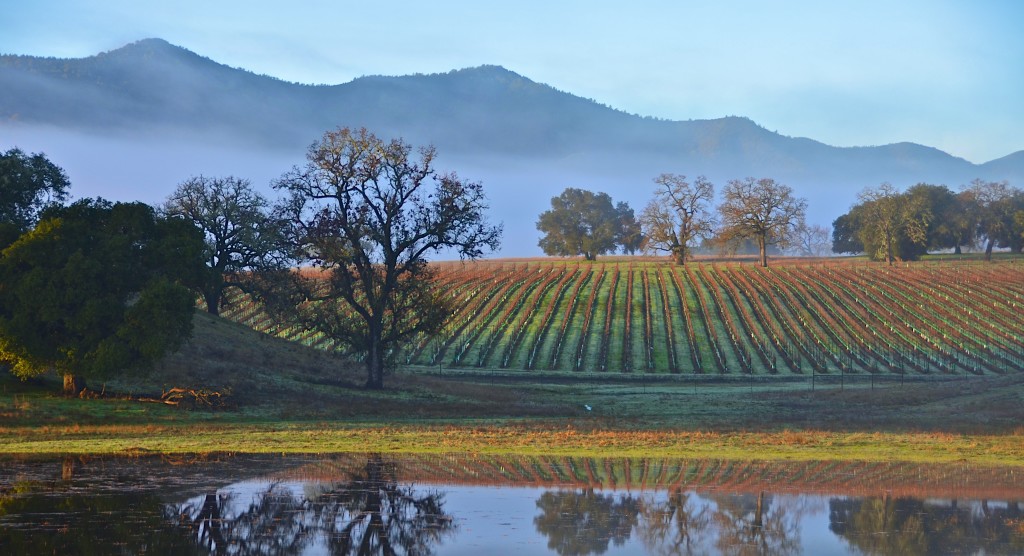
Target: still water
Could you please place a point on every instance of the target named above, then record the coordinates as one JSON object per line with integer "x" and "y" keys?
{"x": 462, "y": 504}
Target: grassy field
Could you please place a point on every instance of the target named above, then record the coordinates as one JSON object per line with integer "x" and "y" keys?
{"x": 280, "y": 396}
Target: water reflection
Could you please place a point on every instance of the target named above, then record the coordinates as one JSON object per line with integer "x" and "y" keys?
{"x": 884, "y": 525}
{"x": 369, "y": 513}
{"x": 577, "y": 523}
{"x": 420, "y": 505}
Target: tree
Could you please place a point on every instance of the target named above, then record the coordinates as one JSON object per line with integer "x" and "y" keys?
{"x": 763, "y": 210}
{"x": 893, "y": 224}
{"x": 994, "y": 202}
{"x": 582, "y": 222}
{"x": 678, "y": 215}
{"x": 946, "y": 228}
{"x": 28, "y": 185}
{"x": 362, "y": 216}
{"x": 845, "y": 238}
{"x": 812, "y": 240}
{"x": 631, "y": 237}
{"x": 241, "y": 237}
{"x": 95, "y": 289}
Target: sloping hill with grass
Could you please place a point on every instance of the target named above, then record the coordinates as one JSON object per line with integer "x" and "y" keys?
{"x": 638, "y": 317}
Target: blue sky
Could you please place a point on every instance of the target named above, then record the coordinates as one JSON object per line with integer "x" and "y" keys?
{"x": 940, "y": 73}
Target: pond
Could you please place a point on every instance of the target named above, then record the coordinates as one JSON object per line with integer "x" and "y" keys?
{"x": 463, "y": 504}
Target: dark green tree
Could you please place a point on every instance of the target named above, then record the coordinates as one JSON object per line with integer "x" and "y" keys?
{"x": 242, "y": 239}
{"x": 363, "y": 215}
{"x": 28, "y": 184}
{"x": 95, "y": 289}
{"x": 582, "y": 222}
{"x": 943, "y": 230}
{"x": 845, "y": 238}
{"x": 631, "y": 236}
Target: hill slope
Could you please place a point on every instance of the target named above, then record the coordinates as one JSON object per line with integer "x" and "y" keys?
{"x": 484, "y": 110}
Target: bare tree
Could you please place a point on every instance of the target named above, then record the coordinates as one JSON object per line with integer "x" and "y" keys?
{"x": 678, "y": 215}
{"x": 761, "y": 210}
{"x": 241, "y": 237}
{"x": 364, "y": 214}
{"x": 812, "y": 240}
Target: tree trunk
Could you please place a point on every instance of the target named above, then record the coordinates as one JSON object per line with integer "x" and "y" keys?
{"x": 956, "y": 250}
{"x": 375, "y": 364}
{"x": 762, "y": 246}
{"x": 680, "y": 256}
{"x": 988, "y": 248}
{"x": 212, "y": 298}
{"x": 73, "y": 385}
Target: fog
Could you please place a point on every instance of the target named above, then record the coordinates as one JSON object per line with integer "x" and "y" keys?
{"x": 148, "y": 167}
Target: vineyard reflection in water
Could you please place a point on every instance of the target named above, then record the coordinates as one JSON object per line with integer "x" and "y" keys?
{"x": 460, "y": 504}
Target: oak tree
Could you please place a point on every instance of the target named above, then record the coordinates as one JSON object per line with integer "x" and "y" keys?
{"x": 894, "y": 224}
{"x": 242, "y": 239}
{"x": 96, "y": 289}
{"x": 582, "y": 222}
{"x": 678, "y": 215}
{"x": 762, "y": 210}
{"x": 362, "y": 217}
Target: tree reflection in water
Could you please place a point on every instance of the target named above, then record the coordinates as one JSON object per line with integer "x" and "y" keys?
{"x": 676, "y": 526}
{"x": 752, "y": 524}
{"x": 368, "y": 514}
{"x": 584, "y": 522}
{"x": 911, "y": 526}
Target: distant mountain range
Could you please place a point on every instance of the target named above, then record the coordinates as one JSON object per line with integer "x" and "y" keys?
{"x": 151, "y": 89}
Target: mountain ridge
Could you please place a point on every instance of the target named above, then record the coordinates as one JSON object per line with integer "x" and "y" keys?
{"x": 504, "y": 127}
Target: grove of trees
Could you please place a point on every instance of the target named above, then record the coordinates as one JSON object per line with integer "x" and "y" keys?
{"x": 890, "y": 225}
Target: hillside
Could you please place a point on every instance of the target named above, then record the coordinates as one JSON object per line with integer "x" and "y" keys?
{"x": 275, "y": 381}
{"x": 634, "y": 317}
{"x": 500, "y": 126}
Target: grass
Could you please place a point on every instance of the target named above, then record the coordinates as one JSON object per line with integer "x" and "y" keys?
{"x": 283, "y": 397}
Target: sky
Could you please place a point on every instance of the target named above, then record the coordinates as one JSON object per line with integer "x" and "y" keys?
{"x": 947, "y": 74}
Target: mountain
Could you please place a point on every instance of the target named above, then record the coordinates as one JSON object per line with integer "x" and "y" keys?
{"x": 492, "y": 120}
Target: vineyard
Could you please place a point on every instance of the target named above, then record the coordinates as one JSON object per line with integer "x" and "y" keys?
{"x": 637, "y": 316}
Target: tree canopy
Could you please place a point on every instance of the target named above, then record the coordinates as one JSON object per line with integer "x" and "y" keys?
{"x": 891, "y": 225}
{"x": 28, "y": 185}
{"x": 678, "y": 215}
{"x": 363, "y": 215}
{"x": 242, "y": 238}
{"x": 762, "y": 210}
{"x": 582, "y": 222}
{"x": 97, "y": 288}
